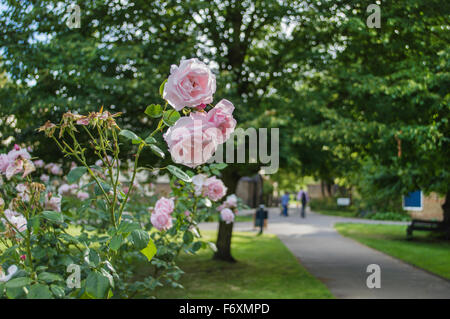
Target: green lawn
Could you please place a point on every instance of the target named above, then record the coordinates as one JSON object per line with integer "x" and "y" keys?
{"x": 425, "y": 251}
{"x": 339, "y": 213}
{"x": 265, "y": 269}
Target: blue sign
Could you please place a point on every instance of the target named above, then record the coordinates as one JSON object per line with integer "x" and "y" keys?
{"x": 413, "y": 201}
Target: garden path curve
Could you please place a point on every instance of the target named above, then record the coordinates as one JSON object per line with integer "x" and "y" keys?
{"x": 341, "y": 263}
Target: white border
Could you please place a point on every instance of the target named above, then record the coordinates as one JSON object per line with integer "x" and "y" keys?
{"x": 412, "y": 207}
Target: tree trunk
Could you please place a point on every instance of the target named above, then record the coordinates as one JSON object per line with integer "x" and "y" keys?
{"x": 224, "y": 242}
{"x": 446, "y": 208}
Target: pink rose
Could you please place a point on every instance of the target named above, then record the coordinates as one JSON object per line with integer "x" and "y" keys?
{"x": 4, "y": 163}
{"x": 187, "y": 213}
{"x": 214, "y": 188}
{"x": 161, "y": 221}
{"x": 82, "y": 195}
{"x": 192, "y": 140}
{"x": 164, "y": 206}
{"x": 198, "y": 181}
{"x": 53, "y": 202}
{"x": 231, "y": 201}
{"x": 39, "y": 163}
{"x": 227, "y": 215}
{"x": 190, "y": 84}
{"x": 44, "y": 178}
{"x": 64, "y": 189}
{"x": 221, "y": 117}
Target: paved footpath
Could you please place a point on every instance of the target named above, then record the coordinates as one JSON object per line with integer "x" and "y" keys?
{"x": 341, "y": 263}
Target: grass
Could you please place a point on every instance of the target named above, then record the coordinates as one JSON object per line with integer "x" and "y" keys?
{"x": 265, "y": 269}
{"x": 425, "y": 251}
{"x": 339, "y": 213}
{"x": 238, "y": 218}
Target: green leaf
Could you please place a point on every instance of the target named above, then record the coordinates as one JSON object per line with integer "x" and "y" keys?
{"x": 188, "y": 237}
{"x": 49, "y": 277}
{"x": 150, "y": 250}
{"x": 18, "y": 282}
{"x": 140, "y": 239}
{"x": 179, "y": 173}
{"x": 161, "y": 87}
{"x": 170, "y": 117}
{"x": 58, "y": 291}
{"x": 150, "y": 140}
{"x": 33, "y": 223}
{"x": 116, "y": 242}
{"x": 154, "y": 110}
{"x": 157, "y": 150}
{"x": 39, "y": 291}
{"x": 131, "y": 136}
{"x": 75, "y": 174}
{"x": 97, "y": 285}
{"x": 196, "y": 246}
{"x": 52, "y": 216}
{"x": 127, "y": 227}
{"x": 218, "y": 166}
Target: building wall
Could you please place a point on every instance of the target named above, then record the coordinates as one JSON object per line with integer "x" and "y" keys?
{"x": 432, "y": 208}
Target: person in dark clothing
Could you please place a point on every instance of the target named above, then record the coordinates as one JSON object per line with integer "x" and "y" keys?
{"x": 304, "y": 198}
{"x": 260, "y": 218}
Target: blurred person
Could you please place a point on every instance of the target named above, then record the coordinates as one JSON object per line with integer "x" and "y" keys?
{"x": 285, "y": 204}
{"x": 303, "y": 197}
{"x": 261, "y": 216}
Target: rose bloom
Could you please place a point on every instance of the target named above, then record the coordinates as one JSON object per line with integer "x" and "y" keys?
{"x": 227, "y": 215}
{"x": 64, "y": 189}
{"x": 198, "y": 181}
{"x": 192, "y": 140}
{"x": 231, "y": 201}
{"x": 190, "y": 84}
{"x": 161, "y": 221}
{"x": 164, "y": 205}
{"x": 221, "y": 117}
{"x": 214, "y": 188}
{"x": 53, "y": 202}
{"x": 16, "y": 219}
{"x": 39, "y": 163}
{"x": 82, "y": 195}
{"x": 44, "y": 178}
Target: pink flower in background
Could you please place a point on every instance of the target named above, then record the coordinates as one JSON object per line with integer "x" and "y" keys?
{"x": 54, "y": 169}
{"x": 64, "y": 189}
{"x": 16, "y": 219}
{"x": 189, "y": 140}
{"x": 4, "y": 163}
{"x": 23, "y": 257}
{"x": 190, "y": 84}
{"x": 198, "y": 181}
{"x": 39, "y": 163}
{"x": 214, "y": 188}
{"x": 161, "y": 221}
{"x": 221, "y": 117}
{"x": 187, "y": 213}
{"x": 44, "y": 178}
{"x": 16, "y": 161}
{"x": 53, "y": 202}
{"x": 227, "y": 215}
{"x": 82, "y": 195}
{"x": 164, "y": 206}
{"x": 231, "y": 201}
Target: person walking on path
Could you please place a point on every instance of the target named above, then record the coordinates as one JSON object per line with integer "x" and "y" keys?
{"x": 285, "y": 204}
{"x": 261, "y": 218}
{"x": 303, "y": 197}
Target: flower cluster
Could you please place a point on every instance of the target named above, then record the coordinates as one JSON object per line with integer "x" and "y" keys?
{"x": 18, "y": 160}
{"x": 161, "y": 217}
{"x": 193, "y": 139}
{"x": 211, "y": 187}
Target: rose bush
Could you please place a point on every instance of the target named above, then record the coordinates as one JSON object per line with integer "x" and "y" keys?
{"x": 78, "y": 229}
